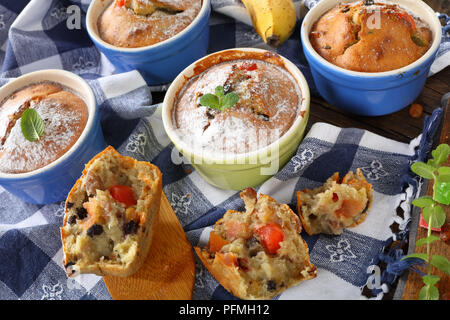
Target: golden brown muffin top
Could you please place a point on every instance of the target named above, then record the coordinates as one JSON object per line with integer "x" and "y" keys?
{"x": 139, "y": 23}
{"x": 269, "y": 102}
{"x": 369, "y": 36}
{"x": 64, "y": 115}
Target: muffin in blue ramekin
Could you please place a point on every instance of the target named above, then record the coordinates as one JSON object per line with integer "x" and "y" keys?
{"x": 161, "y": 62}
{"x": 52, "y": 182}
{"x": 370, "y": 93}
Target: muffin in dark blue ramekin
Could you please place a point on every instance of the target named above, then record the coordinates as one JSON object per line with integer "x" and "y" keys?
{"x": 161, "y": 62}
{"x": 52, "y": 182}
{"x": 367, "y": 93}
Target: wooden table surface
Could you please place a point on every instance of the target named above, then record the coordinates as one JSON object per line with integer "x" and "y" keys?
{"x": 399, "y": 126}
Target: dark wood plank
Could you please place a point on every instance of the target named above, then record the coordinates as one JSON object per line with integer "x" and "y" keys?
{"x": 414, "y": 282}
{"x": 442, "y": 6}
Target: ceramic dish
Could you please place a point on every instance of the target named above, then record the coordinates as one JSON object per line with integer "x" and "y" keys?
{"x": 52, "y": 182}
{"x": 159, "y": 63}
{"x": 241, "y": 170}
{"x": 370, "y": 94}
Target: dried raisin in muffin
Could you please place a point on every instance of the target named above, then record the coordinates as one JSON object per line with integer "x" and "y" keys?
{"x": 258, "y": 253}
{"x": 335, "y": 205}
{"x": 110, "y": 215}
{"x": 369, "y": 36}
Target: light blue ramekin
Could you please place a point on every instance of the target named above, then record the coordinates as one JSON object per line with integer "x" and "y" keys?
{"x": 159, "y": 63}
{"x": 53, "y": 182}
{"x": 364, "y": 93}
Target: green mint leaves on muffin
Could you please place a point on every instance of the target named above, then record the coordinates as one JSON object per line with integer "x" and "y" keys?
{"x": 219, "y": 100}
{"x": 32, "y": 125}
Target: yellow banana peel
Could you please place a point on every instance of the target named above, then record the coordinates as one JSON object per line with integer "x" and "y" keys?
{"x": 273, "y": 20}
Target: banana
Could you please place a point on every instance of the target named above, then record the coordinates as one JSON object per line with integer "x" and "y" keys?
{"x": 273, "y": 20}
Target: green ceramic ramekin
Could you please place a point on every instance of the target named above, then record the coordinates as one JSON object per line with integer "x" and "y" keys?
{"x": 240, "y": 171}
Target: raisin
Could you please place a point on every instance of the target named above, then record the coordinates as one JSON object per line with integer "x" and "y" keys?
{"x": 130, "y": 227}
{"x": 72, "y": 219}
{"x": 335, "y": 197}
{"x": 243, "y": 264}
{"x": 263, "y": 117}
{"x": 345, "y": 9}
{"x": 69, "y": 205}
{"x": 69, "y": 264}
{"x": 368, "y": 2}
{"x": 366, "y": 207}
{"x": 210, "y": 114}
{"x": 95, "y": 230}
{"x": 82, "y": 213}
{"x": 271, "y": 285}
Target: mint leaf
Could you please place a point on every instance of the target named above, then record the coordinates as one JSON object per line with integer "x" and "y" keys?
{"x": 423, "y": 202}
{"x": 430, "y": 280}
{"x": 229, "y": 100}
{"x": 32, "y": 125}
{"x": 445, "y": 178}
{"x": 424, "y": 170}
{"x": 441, "y": 263}
{"x": 444, "y": 170}
{"x": 422, "y": 256}
{"x": 438, "y": 216}
{"x": 220, "y": 92}
{"x": 441, "y": 153}
{"x": 429, "y": 239}
{"x": 210, "y": 100}
{"x": 429, "y": 293}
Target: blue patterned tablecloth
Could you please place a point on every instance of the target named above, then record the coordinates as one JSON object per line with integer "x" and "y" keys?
{"x": 37, "y": 37}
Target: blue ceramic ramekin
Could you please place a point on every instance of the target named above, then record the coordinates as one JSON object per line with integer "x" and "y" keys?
{"x": 53, "y": 182}
{"x": 364, "y": 93}
{"x": 159, "y": 63}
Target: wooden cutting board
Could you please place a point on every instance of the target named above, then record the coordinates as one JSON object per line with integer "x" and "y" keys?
{"x": 168, "y": 273}
{"x": 414, "y": 282}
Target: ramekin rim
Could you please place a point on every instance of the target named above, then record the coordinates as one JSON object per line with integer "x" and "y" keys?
{"x": 94, "y": 35}
{"x": 90, "y": 101}
{"x": 373, "y": 75}
{"x": 184, "y": 148}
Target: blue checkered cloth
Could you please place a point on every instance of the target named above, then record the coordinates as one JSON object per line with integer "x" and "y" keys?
{"x": 30, "y": 248}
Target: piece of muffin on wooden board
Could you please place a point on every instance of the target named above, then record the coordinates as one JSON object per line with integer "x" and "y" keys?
{"x": 335, "y": 205}
{"x": 110, "y": 215}
{"x": 259, "y": 253}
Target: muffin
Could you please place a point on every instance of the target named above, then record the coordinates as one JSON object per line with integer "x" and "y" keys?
{"x": 369, "y": 36}
{"x": 139, "y": 23}
{"x": 259, "y": 253}
{"x": 111, "y": 215}
{"x": 64, "y": 115}
{"x": 335, "y": 205}
{"x": 268, "y": 101}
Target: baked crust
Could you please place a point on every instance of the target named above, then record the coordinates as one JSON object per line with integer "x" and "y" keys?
{"x": 124, "y": 25}
{"x": 336, "y": 205}
{"x": 350, "y": 37}
{"x": 244, "y": 264}
{"x": 148, "y": 186}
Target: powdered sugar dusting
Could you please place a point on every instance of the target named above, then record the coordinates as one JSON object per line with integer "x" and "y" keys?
{"x": 269, "y": 102}
{"x": 62, "y": 129}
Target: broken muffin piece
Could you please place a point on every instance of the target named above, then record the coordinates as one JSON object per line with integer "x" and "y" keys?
{"x": 259, "y": 253}
{"x": 110, "y": 215}
{"x": 335, "y": 205}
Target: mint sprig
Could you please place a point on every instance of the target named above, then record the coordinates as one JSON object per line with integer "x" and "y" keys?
{"x": 219, "y": 100}
{"x": 32, "y": 125}
{"x": 434, "y": 214}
